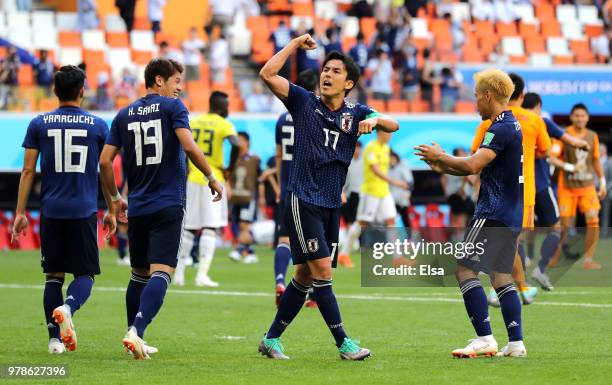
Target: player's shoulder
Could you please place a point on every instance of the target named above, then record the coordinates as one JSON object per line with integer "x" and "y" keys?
{"x": 506, "y": 123}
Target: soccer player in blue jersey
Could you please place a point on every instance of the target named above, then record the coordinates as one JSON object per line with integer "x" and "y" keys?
{"x": 546, "y": 207}
{"x": 326, "y": 130}
{"x": 69, "y": 141}
{"x": 155, "y": 135}
{"x": 285, "y": 137}
{"x": 497, "y": 220}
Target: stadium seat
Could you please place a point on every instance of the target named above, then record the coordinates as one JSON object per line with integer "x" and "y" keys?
{"x": 350, "y": 26}
{"x": 524, "y": 12}
{"x": 566, "y": 13}
{"x": 419, "y": 28}
{"x": 16, "y": 20}
{"x": 66, "y": 21}
{"x": 240, "y": 41}
{"x": 460, "y": 12}
{"x": 21, "y": 37}
{"x": 274, "y": 21}
{"x": 93, "y": 57}
{"x": 303, "y": 8}
{"x": 557, "y": 46}
{"x": 118, "y": 59}
{"x": 25, "y": 76}
{"x": 535, "y": 44}
{"x": 398, "y": 106}
{"x": 472, "y": 54}
{"x": 506, "y": 29}
{"x": 528, "y": 30}
{"x": 348, "y": 42}
{"x": 550, "y": 28}
{"x": 378, "y": 105}
{"x": 117, "y": 40}
{"x": 325, "y": 9}
{"x": 143, "y": 40}
{"x": 540, "y": 60}
{"x": 572, "y": 31}
{"x": 593, "y": 30}
{"x": 3, "y": 27}
{"x": 465, "y": 107}
{"x": 484, "y": 29}
{"x": 421, "y": 43}
{"x": 368, "y": 26}
{"x": 141, "y": 57}
{"x": 563, "y": 59}
{"x": 93, "y": 39}
{"x": 114, "y": 23}
{"x": 545, "y": 12}
{"x": 587, "y": 14}
{"x": 69, "y": 38}
{"x": 43, "y": 20}
{"x": 512, "y": 46}
{"x": 295, "y": 22}
{"x": 46, "y": 39}
{"x": 440, "y": 27}
{"x": 518, "y": 59}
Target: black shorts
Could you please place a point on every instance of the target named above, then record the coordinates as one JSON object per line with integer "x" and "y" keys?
{"x": 459, "y": 205}
{"x": 281, "y": 227}
{"x": 244, "y": 213}
{"x": 70, "y": 245}
{"x": 156, "y": 237}
{"x": 546, "y": 208}
{"x": 313, "y": 230}
{"x": 494, "y": 246}
{"x": 349, "y": 209}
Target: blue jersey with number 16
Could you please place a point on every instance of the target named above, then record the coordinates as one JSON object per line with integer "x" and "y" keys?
{"x": 153, "y": 158}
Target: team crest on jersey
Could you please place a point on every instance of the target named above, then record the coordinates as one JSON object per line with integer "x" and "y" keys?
{"x": 346, "y": 122}
{"x": 313, "y": 245}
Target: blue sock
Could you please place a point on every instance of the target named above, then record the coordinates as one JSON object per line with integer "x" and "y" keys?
{"x": 282, "y": 258}
{"x": 548, "y": 249}
{"x": 122, "y": 239}
{"x": 78, "y": 292}
{"x": 511, "y": 310}
{"x": 132, "y": 296}
{"x": 151, "y": 300}
{"x": 328, "y": 306}
{"x": 475, "y": 301}
{"x": 290, "y": 305}
{"x": 52, "y": 298}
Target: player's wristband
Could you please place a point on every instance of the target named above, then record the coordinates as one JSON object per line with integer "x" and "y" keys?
{"x": 211, "y": 177}
{"x": 116, "y": 197}
{"x": 569, "y": 167}
{"x": 602, "y": 181}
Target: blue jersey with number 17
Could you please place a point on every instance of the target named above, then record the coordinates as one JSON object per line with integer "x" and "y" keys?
{"x": 153, "y": 158}
{"x": 69, "y": 140}
{"x": 324, "y": 143}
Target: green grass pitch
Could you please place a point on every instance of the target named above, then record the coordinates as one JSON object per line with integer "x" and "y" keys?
{"x": 210, "y": 336}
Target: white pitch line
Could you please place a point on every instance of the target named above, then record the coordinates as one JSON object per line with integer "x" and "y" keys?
{"x": 342, "y": 296}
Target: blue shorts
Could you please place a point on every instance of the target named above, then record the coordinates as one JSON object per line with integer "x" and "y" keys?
{"x": 69, "y": 245}
{"x": 313, "y": 230}
{"x": 279, "y": 217}
{"x": 546, "y": 208}
{"x": 156, "y": 237}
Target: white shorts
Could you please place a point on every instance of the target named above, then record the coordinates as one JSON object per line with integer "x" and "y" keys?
{"x": 373, "y": 209}
{"x": 201, "y": 211}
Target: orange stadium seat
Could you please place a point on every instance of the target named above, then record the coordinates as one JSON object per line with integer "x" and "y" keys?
{"x": 117, "y": 39}
{"x": 420, "y": 43}
{"x": 398, "y": 106}
{"x": 528, "y": 30}
{"x": 544, "y": 12}
{"x": 471, "y": 54}
{"x": 563, "y": 60}
{"x": 585, "y": 58}
{"x": 279, "y": 6}
{"x": 368, "y": 26}
{"x": 439, "y": 27}
{"x": 465, "y": 107}
{"x": 484, "y": 28}
{"x": 593, "y": 30}
{"x": 25, "y": 75}
{"x": 69, "y": 38}
{"x": 378, "y": 105}
{"x": 141, "y": 57}
{"x": 506, "y": 29}
{"x": 348, "y": 42}
{"x": 535, "y": 44}
{"x": 274, "y": 21}
{"x": 92, "y": 57}
{"x": 550, "y": 28}
{"x": 142, "y": 23}
{"x": 262, "y": 51}
{"x": 419, "y": 106}
{"x": 580, "y": 47}
{"x": 303, "y": 8}
{"x": 518, "y": 59}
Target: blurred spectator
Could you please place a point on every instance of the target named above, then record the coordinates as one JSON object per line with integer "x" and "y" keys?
{"x": 606, "y": 11}
{"x": 410, "y": 73}
{"x": 359, "y": 53}
{"x": 504, "y": 11}
{"x": 498, "y": 57}
{"x": 400, "y": 30}
{"x": 9, "y": 69}
{"x": 156, "y": 13}
{"x": 166, "y": 51}
{"x": 449, "y": 90}
{"x": 360, "y": 9}
{"x": 102, "y": 100}
{"x": 426, "y": 79}
{"x": 127, "y": 86}
{"x": 258, "y": 101}
{"x": 126, "y": 11}
{"x": 606, "y": 204}
{"x": 24, "y": 5}
{"x": 222, "y": 12}
{"x": 379, "y": 44}
{"x": 281, "y": 37}
{"x": 482, "y": 10}
{"x": 456, "y": 32}
{"x": 87, "y": 15}
{"x": 382, "y": 74}
{"x": 601, "y": 45}
{"x": 399, "y": 170}
{"x": 43, "y": 74}
{"x": 219, "y": 59}
{"x": 413, "y": 6}
{"x": 332, "y": 41}
{"x": 307, "y": 60}
{"x": 192, "y": 52}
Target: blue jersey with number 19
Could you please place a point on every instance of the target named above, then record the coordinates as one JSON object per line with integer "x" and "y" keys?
{"x": 153, "y": 158}
{"x": 324, "y": 143}
{"x": 69, "y": 140}
{"x": 285, "y": 136}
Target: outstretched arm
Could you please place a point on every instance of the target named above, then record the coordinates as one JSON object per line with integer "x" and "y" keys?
{"x": 269, "y": 72}
{"x": 436, "y": 157}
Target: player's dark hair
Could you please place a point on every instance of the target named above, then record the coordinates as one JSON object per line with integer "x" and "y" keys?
{"x": 161, "y": 67}
{"x": 218, "y": 102}
{"x": 245, "y": 135}
{"x": 519, "y": 86}
{"x": 531, "y": 100}
{"x": 579, "y": 106}
{"x": 395, "y": 155}
{"x": 352, "y": 69}
{"x": 360, "y": 36}
{"x": 308, "y": 80}
{"x": 68, "y": 81}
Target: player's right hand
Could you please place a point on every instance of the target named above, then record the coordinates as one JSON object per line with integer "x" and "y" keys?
{"x": 121, "y": 210}
{"x": 20, "y": 226}
{"x": 109, "y": 224}
{"x": 216, "y": 189}
{"x": 306, "y": 42}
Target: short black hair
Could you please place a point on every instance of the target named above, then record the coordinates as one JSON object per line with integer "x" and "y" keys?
{"x": 352, "y": 69}
{"x": 218, "y": 102}
{"x": 531, "y": 100}
{"x": 579, "y": 106}
{"x": 68, "y": 82}
{"x": 163, "y": 67}
{"x": 360, "y": 36}
{"x": 519, "y": 86}
{"x": 245, "y": 135}
{"x": 394, "y": 154}
{"x": 308, "y": 80}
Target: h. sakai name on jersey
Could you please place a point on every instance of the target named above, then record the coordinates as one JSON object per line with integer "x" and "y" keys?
{"x": 144, "y": 110}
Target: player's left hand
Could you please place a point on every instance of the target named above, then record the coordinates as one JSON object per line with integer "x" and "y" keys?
{"x": 109, "y": 224}
{"x": 366, "y": 126}
{"x": 121, "y": 210}
{"x": 429, "y": 154}
{"x": 602, "y": 192}
{"x": 343, "y": 198}
{"x": 216, "y": 189}
{"x": 20, "y": 227}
